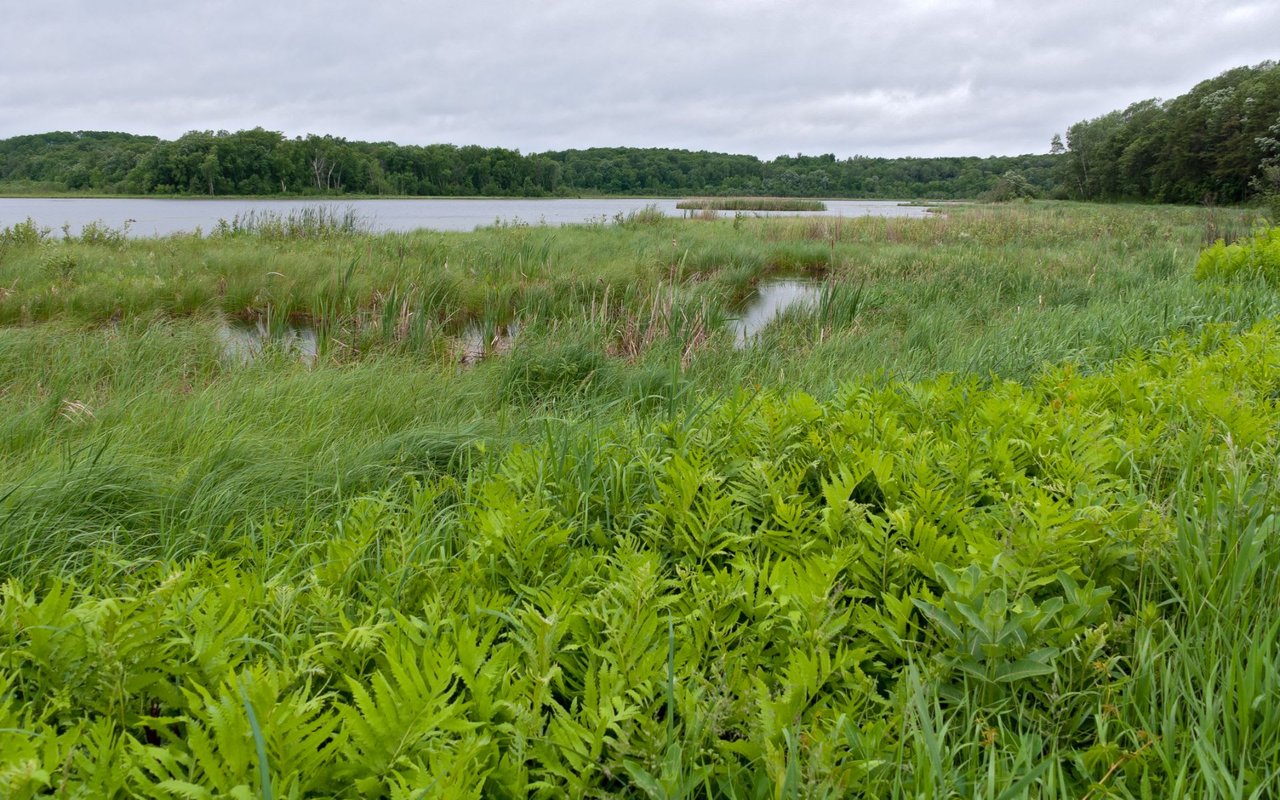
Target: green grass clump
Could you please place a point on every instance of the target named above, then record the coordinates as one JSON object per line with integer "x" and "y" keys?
{"x": 539, "y": 372}
{"x": 306, "y": 222}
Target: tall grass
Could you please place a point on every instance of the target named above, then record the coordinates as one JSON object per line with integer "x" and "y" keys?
{"x": 305, "y": 222}
{"x": 1063, "y": 589}
{"x": 994, "y": 517}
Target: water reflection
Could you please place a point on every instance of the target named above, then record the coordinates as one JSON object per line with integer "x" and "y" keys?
{"x": 771, "y": 298}
{"x": 480, "y": 341}
{"x": 243, "y": 342}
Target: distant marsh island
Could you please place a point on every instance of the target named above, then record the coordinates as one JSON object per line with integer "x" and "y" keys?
{"x": 751, "y": 204}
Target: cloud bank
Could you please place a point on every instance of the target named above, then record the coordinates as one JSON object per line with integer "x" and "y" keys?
{"x": 920, "y": 78}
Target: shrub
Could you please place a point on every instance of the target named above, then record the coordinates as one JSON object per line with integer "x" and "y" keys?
{"x": 23, "y": 233}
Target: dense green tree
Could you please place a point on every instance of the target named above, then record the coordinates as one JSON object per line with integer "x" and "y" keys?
{"x": 1210, "y": 144}
{"x": 261, "y": 162}
{"x": 84, "y": 160}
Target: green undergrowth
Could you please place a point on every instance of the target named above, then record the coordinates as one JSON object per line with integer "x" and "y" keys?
{"x": 993, "y": 516}
{"x": 944, "y": 588}
{"x": 1258, "y": 255}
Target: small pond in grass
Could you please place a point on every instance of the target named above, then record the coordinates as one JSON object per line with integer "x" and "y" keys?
{"x": 479, "y": 341}
{"x": 242, "y": 342}
{"x": 771, "y": 298}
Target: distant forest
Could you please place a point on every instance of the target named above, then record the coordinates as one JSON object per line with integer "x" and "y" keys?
{"x": 1219, "y": 142}
{"x": 261, "y": 162}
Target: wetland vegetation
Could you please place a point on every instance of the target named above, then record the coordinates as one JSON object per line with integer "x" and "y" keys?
{"x": 989, "y": 512}
{"x": 752, "y": 204}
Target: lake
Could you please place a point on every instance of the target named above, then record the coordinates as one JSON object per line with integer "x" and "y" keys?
{"x": 161, "y": 217}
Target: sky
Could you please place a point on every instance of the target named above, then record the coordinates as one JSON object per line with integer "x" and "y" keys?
{"x": 910, "y": 78}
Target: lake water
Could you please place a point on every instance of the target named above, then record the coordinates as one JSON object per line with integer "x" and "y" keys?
{"x": 161, "y": 217}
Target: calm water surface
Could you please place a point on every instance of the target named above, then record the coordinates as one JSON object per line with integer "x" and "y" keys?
{"x": 161, "y": 217}
{"x": 242, "y": 342}
{"x": 771, "y": 298}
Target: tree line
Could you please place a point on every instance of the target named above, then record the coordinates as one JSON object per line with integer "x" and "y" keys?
{"x": 262, "y": 162}
{"x": 1219, "y": 142}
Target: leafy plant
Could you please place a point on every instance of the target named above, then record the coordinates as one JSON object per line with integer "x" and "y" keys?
{"x": 1259, "y": 256}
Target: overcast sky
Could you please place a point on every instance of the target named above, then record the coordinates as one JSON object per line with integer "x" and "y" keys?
{"x": 921, "y": 77}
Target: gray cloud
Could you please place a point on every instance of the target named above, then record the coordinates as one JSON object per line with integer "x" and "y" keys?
{"x": 921, "y": 77}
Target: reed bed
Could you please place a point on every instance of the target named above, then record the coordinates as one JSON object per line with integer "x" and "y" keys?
{"x": 751, "y": 204}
